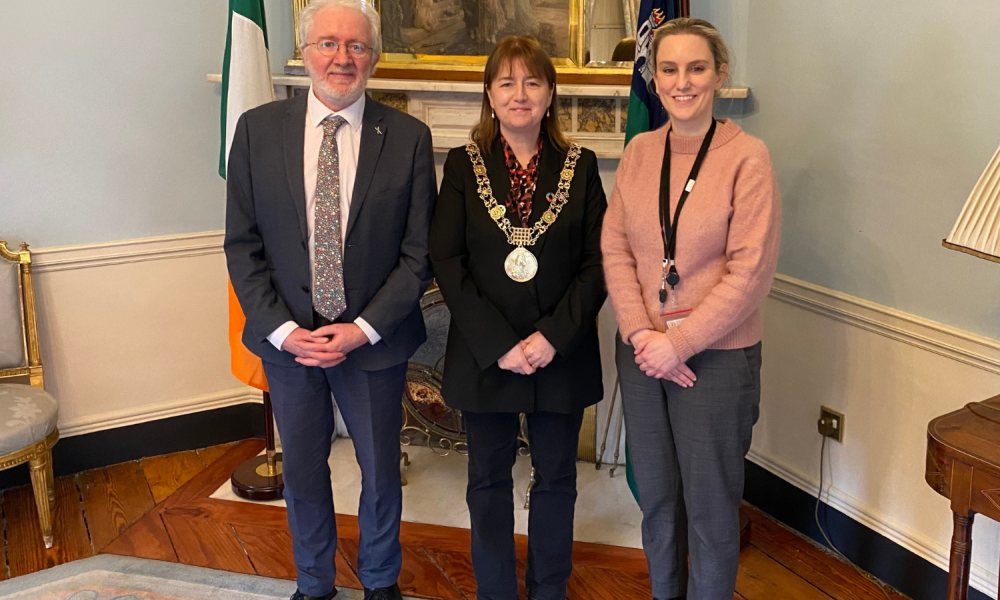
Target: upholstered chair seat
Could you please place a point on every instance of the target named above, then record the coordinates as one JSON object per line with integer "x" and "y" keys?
{"x": 27, "y": 416}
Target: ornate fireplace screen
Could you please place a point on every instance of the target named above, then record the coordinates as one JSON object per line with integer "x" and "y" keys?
{"x": 427, "y": 420}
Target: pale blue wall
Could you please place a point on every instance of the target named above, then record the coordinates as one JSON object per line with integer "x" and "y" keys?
{"x": 730, "y": 18}
{"x": 108, "y": 128}
{"x": 880, "y": 117}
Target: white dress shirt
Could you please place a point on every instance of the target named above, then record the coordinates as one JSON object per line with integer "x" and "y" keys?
{"x": 348, "y": 144}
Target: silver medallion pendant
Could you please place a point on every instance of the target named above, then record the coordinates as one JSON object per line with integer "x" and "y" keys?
{"x": 521, "y": 265}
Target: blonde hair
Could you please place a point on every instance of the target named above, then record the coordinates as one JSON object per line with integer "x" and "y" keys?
{"x": 525, "y": 50}
{"x": 699, "y": 27}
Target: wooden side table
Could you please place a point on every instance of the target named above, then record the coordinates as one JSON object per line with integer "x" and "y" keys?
{"x": 963, "y": 465}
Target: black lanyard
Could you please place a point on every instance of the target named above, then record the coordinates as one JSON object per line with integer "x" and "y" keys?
{"x": 668, "y": 228}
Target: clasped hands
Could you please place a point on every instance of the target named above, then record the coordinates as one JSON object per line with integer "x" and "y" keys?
{"x": 530, "y": 354}
{"x": 327, "y": 346}
{"x": 657, "y": 357}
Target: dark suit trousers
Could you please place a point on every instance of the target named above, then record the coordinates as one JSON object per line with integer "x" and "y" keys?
{"x": 686, "y": 449}
{"x": 492, "y": 439}
{"x": 370, "y": 404}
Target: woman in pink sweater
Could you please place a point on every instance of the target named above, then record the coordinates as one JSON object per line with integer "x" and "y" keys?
{"x": 688, "y": 258}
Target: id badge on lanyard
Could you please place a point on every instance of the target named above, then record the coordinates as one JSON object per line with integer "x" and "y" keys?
{"x": 673, "y": 310}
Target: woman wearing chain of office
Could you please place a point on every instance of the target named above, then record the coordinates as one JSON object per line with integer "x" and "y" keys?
{"x": 515, "y": 246}
{"x": 690, "y": 245}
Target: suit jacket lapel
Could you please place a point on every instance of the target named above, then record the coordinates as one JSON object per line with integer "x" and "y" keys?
{"x": 294, "y": 140}
{"x": 550, "y": 165}
{"x": 496, "y": 170}
{"x": 373, "y": 132}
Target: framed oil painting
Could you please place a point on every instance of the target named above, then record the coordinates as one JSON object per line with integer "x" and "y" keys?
{"x": 466, "y": 31}
{"x": 451, "y": 39}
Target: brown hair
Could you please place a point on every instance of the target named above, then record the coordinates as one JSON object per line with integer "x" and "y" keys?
{"x": 624, "y": 51}
{"x": 699, "y": 27}
{"x": 525, "y": 50}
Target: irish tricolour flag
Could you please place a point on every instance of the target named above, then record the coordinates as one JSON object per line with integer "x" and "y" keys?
{"x": 246, "y": 71}
{"x": 246, "y": 84}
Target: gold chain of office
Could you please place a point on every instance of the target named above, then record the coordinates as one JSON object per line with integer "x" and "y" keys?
{"x": 523, "y": 236}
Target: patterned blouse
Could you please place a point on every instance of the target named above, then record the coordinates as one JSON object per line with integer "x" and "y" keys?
{"x": 522, "y": 182}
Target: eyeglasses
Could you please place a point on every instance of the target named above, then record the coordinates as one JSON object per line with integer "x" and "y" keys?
{"x": 330, "y": 47}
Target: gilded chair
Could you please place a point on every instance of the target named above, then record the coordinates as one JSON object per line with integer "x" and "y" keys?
{"x": 28, "y": 414}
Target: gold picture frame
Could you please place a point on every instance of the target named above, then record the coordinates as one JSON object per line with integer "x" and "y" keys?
{"x": 574, "y": 30}
{"x": 571, "y": 68}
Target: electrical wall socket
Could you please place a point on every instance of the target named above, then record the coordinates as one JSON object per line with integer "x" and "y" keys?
{"x": 831, "y": 424}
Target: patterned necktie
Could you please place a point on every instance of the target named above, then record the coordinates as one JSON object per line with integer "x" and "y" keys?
{"x": 328, "y": 270}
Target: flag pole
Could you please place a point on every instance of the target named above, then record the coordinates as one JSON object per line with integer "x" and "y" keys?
{"x": 246, "y": 66}
{"x": 259, "y": 478}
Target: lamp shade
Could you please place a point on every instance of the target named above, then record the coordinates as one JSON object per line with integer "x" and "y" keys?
{"x": 977, "y": 230}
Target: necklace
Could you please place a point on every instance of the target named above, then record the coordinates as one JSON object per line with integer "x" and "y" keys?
{"x": 521, "y": 265}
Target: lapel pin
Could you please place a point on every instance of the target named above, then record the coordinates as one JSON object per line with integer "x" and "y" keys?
{"x": 378, "y": 130}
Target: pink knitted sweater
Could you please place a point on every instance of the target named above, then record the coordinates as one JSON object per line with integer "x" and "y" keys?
{"x": 727, "y": 242}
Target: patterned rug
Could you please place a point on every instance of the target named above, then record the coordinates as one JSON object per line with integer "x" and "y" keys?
{"x": 108, "y": 577}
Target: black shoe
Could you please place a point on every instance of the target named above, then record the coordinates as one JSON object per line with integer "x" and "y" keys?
{"x": 300, "y": 596}
{"x": 387, "y": 593}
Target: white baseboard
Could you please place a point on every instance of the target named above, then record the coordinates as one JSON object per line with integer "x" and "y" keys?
{"x": 912, "y": 541}
{"x": 144, "y": 414}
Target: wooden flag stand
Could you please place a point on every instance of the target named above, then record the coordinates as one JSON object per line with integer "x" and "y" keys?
{"x": 260, "y": 477}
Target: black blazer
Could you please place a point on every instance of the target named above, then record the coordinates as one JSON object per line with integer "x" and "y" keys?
{"x": 491, "y": 313}
{"x": 386, "y": 265}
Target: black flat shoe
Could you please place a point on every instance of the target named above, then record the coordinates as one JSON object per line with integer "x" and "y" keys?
{"x": 300, "y": 596}
{"x": 386, "y": 593}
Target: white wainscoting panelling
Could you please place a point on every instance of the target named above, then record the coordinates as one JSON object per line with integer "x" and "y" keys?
{"x": 974, "y": 350}
{"x": 890, "y": 373}
{"x": 119, "y": 252}
{"x": 135, "y": 330}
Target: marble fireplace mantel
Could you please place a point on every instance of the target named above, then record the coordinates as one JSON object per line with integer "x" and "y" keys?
{"x": 594, "y": 115}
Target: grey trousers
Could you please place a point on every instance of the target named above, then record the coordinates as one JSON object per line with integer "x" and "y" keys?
{"x": 686, "y": 450}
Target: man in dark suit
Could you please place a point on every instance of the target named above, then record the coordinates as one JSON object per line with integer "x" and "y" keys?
{"x": 330, "y": 196}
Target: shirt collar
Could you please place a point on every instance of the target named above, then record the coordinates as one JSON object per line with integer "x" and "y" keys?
{"x": 317, "y": 111}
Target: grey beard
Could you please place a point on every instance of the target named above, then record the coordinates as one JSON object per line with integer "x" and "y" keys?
{"x": 349, "y": 97}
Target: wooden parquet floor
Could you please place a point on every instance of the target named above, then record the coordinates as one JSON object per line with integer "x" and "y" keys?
{"x": 160, "y": 508}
